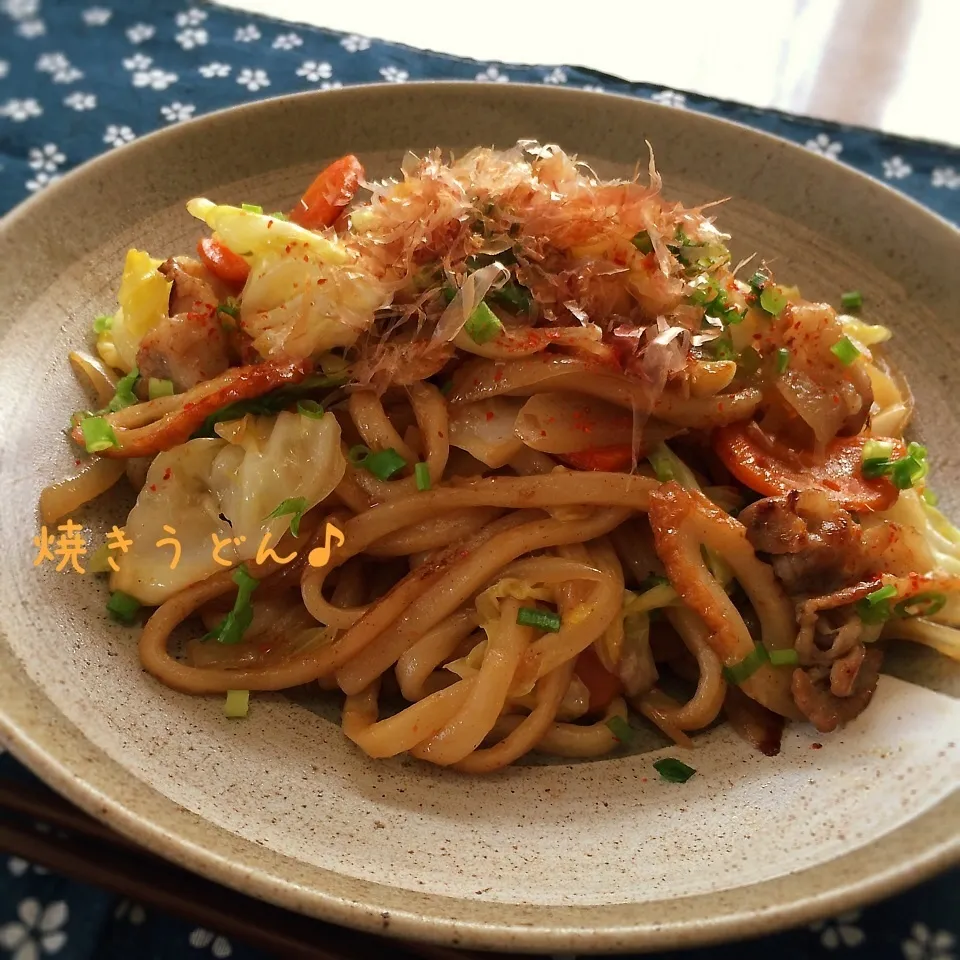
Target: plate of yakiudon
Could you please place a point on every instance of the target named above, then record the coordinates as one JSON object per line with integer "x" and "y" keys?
{"x": 511, "y": 518}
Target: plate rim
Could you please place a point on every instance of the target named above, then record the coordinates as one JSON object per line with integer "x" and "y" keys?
{"x": 47, "y": 760}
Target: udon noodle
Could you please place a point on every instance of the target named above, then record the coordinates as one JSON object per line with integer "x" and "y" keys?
{"x": 509, "y": 456}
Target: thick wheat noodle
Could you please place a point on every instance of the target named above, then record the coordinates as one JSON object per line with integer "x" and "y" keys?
{"x": 548, "y": 570}
{"x": 156, "y": 634}
{"x": 572, "y": 739}
{"x": 487, "y": 378}
{"x": 939, "y": 636}
{"x": 658, "y": 708}
{"x": 416, "y": 665}
{"x": 142, "y": 414}
{"x": 94, "y": 375}
{"x": 685, "y": 521}
{"x": 448, "y": 528}
{"x": 579, "y": 630}
{"x": 430, "y": 409}
{"x": 404, "y": 730}
{"x": 394, "y": 601}
{"x": 350, "y": 589}
{"x": 62, "y": 498}
{"x": 704, "y": 706}
{"x": 374, "y": 426}
{"x": 273, "y": 578}
{"x": 576, "y": 592}
{"x": 368, "y": 622}
{"x": 351, "y": 494}
{"x": 557, "y": 489}
{"x": 528, "y": 462}
{"x": 440, "y": 599}
{"x": 530, "y": 730}
{"x": 466, "y": 730}
{"x": 609, "y": 645}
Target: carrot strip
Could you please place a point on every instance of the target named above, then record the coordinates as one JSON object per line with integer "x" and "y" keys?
{"x": 222, "y": 262}
{"x": 766, "y": 466}
{"x": 334, "y": 187}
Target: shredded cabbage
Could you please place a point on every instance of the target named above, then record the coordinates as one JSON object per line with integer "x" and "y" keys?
{"x": 226, "y": 488}
{"x": 468, "y": 666}
{"x": 251, "y": 235}
{"x": 662, "y": 595}
{"x": 488, "y": 602}
{"x": 144, "y": 299}
{"x": 306, "y": 294}
{"x": 868, "y": 334}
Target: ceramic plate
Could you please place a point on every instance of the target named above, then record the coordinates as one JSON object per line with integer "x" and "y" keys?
{"x": 572, "y": 857}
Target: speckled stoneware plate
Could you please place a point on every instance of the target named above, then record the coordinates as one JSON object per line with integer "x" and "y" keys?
{"x": 595, "y": 856}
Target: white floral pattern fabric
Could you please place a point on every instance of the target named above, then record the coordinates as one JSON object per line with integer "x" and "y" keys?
{"x": 82, "y": 77}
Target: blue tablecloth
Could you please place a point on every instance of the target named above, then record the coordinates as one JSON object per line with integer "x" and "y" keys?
{"x": 78, "y": 79}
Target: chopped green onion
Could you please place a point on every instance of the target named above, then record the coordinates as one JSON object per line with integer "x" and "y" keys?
{"x": 783, "y": 359}
{"x": 270, "y": 403}
{"x": 358, "y": 455}
{"x": 483, "y": 324}
{"x": 422, "y": 473}
{"x": 449, "y": 291}
{"x": 876, "y": 460}
{"x": 851, "y": 300}
{"x": 515, "y": 296}
{"x": 446, "y": 387}
{"x": 124, "y": 395}
{"x": 662, "y": 465}
{"x": 705, "y": 291}
{"x": 78, "y": 416}
{"x": 102, "y": 323}
{"x": 877, "y": 450}
{"x": 292, "y": 505}
{"x": 230, "y": 307}
{"x": 875, "y": 607}
{"x": 235, "y": 623}
{"x": 908, "y": 470}
{"x": 384, "y": 463}
{"x": 98, "y": 435}
{"x": 921, "y": 605}
{"x": 873, "y": 469}
{"x": 772, "y": 300}
{"x": 673, "y": 770}
{"x": 277, "y": 215}
{"x": 905, "y": 472}
{"x": 159, "y": 388}
{"x": 845, "y": 351}
{"x": 748, "y": 666}
{"x": 251, "y": 207}
{"x": 237, "y": 703}
{"x": 714, "y": 301}
{"x": 546, "y": 620}
{"x": 643, "y": 242}
{"x": 722, "y": 349}
{"x": 784, "y": 658}
{"x": 878, "y": 596}
{"x": 122, "y": 607}
{"x": 310, "y": 408}
{"x": 757, "y": 282}
{"x": 621, "y": 730}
